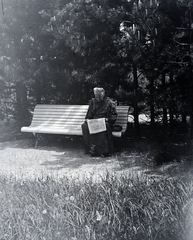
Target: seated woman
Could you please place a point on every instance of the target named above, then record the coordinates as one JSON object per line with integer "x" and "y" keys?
{"x": 100, "y": 144}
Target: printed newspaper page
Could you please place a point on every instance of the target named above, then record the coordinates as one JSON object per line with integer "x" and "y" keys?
{"x": 96, "y": 125}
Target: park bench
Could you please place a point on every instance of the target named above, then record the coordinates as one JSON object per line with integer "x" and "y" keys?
{"x": 67, "y": 120}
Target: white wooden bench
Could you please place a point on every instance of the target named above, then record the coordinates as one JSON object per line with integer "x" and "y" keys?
{"x": 67, "y": 120}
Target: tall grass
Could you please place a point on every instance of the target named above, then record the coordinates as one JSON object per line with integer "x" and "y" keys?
{"x": 115, "y": 208}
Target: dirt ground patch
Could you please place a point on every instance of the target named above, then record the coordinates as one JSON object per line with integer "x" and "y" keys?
{"x": 21, "y": 160}
{"x": 57, "y": 159}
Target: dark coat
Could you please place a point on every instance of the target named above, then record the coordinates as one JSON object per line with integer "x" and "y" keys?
{"x": 104, "y": 109}
{"x": 100, "y": 143}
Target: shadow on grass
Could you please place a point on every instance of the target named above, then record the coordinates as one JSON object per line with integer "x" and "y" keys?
{"x": 135, "y": 157}
{"x": 72, "y": 156}
{"x": 143, "y": 155}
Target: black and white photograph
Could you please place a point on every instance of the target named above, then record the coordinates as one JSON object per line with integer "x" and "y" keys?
{"x": 96, "y": 119}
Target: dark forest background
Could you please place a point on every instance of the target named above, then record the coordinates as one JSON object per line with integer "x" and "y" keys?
{"x": 140, "y": 51}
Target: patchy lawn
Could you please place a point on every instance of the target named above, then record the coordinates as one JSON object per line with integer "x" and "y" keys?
{"x": 57, "y": 192}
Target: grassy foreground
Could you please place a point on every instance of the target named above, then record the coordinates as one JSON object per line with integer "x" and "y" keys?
{"x": 115, "y": 208}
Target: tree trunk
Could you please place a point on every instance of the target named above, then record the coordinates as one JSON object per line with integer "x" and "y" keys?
{"x": 191, "y": 104}
{"x": 191, "y": 79}
{"x": 38, "y": 91}
{"x": 152, "y": 111}
{"x": 184, "y": 120}
{"x": 165, "y": 120}
{"x": 171, "y": 104}
{"x": 22, "y": 113}
{"x": 136, "y": 110}
{"x": 45, "y": 91}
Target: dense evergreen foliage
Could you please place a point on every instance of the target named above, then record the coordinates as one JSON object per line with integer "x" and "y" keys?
{"x": 139, "y": 50}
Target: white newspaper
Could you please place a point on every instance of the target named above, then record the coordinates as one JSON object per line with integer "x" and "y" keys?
{"x": 96, "y": 125}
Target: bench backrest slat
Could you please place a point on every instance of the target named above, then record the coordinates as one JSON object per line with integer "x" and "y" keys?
{"x": 67, "y": 117}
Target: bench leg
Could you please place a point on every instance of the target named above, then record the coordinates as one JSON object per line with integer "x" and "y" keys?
{"x": 119, "y": 143}
{"x": 37, "y": 139}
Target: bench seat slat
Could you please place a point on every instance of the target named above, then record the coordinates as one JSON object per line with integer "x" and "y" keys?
{"x": 61, "y": 106}
{"x": 52, "y": 112}
{"x": 76, "y": 132}
{"x": 43, "y": 118}
{"x": 69, "y": 120}
{"x": 58, "y": 119}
